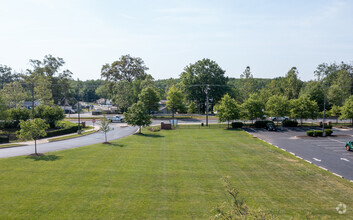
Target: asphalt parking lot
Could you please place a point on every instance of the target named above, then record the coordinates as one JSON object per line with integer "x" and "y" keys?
{"x": 326, "y": 152}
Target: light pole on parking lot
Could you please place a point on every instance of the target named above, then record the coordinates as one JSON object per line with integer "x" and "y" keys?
{"x": 323, "y": 121}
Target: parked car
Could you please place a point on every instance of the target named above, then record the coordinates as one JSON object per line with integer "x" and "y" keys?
{"x": 116, "y": 118}
{"x": 279, "y": 118}
{"x": 271, "y": 127}
{"x": 349, "y": 145}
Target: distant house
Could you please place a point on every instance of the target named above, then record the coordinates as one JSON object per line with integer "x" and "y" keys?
{"x": 103, "y": 101}
{"x": 163, "y": 107}
{"x": 28, "y": 104}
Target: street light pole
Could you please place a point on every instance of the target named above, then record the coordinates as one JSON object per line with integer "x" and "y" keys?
{"x": 323, "y": 121}
{"x": 206, "y": 91}
{"x": 78, "y": 110}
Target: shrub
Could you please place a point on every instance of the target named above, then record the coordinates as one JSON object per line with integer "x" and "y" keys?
{"x": 261, "y": 124}
{"x": 4, "y": 139}
{"x": 327, "y": 126}
{"x": 328, "y": 132}
{"x": 290, "y": 123}
{"x": 17, "y": 114}
{"x": 310, "y": 133}
{"x": 318, "y": 133}
{"x": 62, "y": 131}
{"x": 237, "y": 124}
{"x": 51, "y": 114}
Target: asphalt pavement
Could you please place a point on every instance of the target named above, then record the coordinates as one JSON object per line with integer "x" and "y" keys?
{"x": 326, "y": 152}
{"x": 120, "y": 130}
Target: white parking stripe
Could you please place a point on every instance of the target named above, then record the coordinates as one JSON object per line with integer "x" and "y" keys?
{"x": 337, "y": 141}
{"x": 317, "y": 159}
{"x": 344, "y": 159}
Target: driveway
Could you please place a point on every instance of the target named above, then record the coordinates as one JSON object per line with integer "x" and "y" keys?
{"x": 120, "y": 130}
{"x": 327, "y": 152}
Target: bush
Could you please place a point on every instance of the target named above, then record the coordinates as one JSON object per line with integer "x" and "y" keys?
{"x": 237, "y": 124}
{"x": 327, "y": 126}
{"x": 15, "y": 115}
{"x": 318, "y": 133}
{"x": 328, "y": 132}
{"x": 51, "y": 114}
{"x": 310, "y": 133}
{"x": 290, "y": 123}
{"x": 62, "y": 131}
{"x": 4, "y": 139}
{"x": 261, "y": 124}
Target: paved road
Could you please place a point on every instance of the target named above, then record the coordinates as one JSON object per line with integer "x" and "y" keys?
{"x": 119, "y": 131}
{"x": 327, "y": 152}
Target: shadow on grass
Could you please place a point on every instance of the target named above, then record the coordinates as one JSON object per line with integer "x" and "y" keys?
{"x": 150, "y": 135}
{"x": 117, "y": 145}
{"x": 44, "y": 157}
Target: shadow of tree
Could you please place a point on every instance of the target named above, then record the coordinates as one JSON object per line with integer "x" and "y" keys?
{"x": 150, "y": 135}
{"x": 117, "y": 145}
{"x": 44, "y": 157}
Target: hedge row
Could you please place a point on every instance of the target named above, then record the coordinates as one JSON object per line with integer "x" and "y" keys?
{"x": 290, "y": 123}
{"x": 318, "y": 133}
{"x": 237, "y": 124}
{"x": 63, "y": 131}
{"x": 261, "y": 124}
{"x": 4, "y": 139}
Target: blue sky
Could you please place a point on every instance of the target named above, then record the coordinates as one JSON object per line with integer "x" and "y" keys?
{"x": 269, "y": 36}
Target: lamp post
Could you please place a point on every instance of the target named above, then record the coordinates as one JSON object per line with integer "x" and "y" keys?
{"x": 206, "y": 91}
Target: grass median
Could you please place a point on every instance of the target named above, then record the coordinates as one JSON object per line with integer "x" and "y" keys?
{"x": 173, "y": 174}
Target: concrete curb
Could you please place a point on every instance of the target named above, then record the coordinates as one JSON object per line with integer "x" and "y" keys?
{"x": 323, "y": 168}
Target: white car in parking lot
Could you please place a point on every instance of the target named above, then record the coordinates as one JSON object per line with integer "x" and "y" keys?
{"x": 116, "y": 118}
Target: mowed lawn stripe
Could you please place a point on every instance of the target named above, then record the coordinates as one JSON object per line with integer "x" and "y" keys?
{"x": 172, "y": 174}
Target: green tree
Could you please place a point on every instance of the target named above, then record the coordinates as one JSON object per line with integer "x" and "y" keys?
{"x": 303, "y": 108}
{"x": 195, "y": 78}
{"x": 6, "y": 76}
{"x": 33, "y": 129}
{"x": 137, "y": 116}
{"x": 253, "y": 107}
{"x": 42, "y": 90}
{"x": 103, "y": 92}
{"x": 340, "y": 88}
{"x": 336, "y": 112}
{"x": 13, "y": 94}
{"x": 292, "y": 84}
{"x": 104, "y": 127}
{"x": 347, "y": 109}
{"x": 150, "y": 99}
{"x": 3, "y": 113}
{"x": 315, "y": 91}
{"x": 278, "y": 106}
{"x": 51, "y": 114}
{"x": 175, "y": 100}
{"x": 227, "y": 109}
{"x": 126, "y": 68}
{"x": 18, "y": 114}
{"x": 192, "y": 108}
{"x": 248, "y": 85}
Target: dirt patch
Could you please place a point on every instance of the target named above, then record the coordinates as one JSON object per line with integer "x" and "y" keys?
{"x": 106, "y": 143}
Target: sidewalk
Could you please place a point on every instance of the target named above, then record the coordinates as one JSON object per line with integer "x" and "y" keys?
{"x": 46, "y": 140}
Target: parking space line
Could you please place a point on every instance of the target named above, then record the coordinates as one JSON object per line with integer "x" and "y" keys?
{"x": 317, "y": 159}
{"x": 344, "y": 159}
{"x": 337, "y": 141}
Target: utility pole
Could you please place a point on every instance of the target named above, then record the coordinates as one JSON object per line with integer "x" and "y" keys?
{"x": 323, "y": 121}
{"x": 206, "y": 91}
{"x": 32, "y": 100}
{"x": 78, "y": 110}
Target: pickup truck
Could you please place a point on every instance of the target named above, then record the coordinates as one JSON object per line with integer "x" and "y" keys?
{"x": 115, "y": 118}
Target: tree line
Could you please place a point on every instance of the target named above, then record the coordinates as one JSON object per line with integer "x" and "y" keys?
{"x": 126, "y": 82}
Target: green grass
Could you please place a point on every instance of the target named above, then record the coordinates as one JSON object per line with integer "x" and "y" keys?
{"x": 10, "y": 145}
{"x": 71, "y": 136}
{"x": 172, "y": 174}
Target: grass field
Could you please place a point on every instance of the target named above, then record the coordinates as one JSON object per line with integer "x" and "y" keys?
{"x": 168, "y": 175}
{"x": 71, "y": 136}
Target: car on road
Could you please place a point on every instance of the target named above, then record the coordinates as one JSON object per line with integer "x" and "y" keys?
{"x": 271, "y": 127}
{"x": 349, "y": 145}
{"x": 279, "y": 118}
{"x": 116, "y": 118}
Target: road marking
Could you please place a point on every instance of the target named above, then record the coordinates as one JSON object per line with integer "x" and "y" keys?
{"x": 344, "y": 159}
{"x": 323, "y": 168}
{"x": 317, "y": 159}
{"x": 337, "y": 141}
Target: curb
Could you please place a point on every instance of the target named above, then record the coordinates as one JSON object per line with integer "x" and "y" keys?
{"x": 323, "y": 168}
